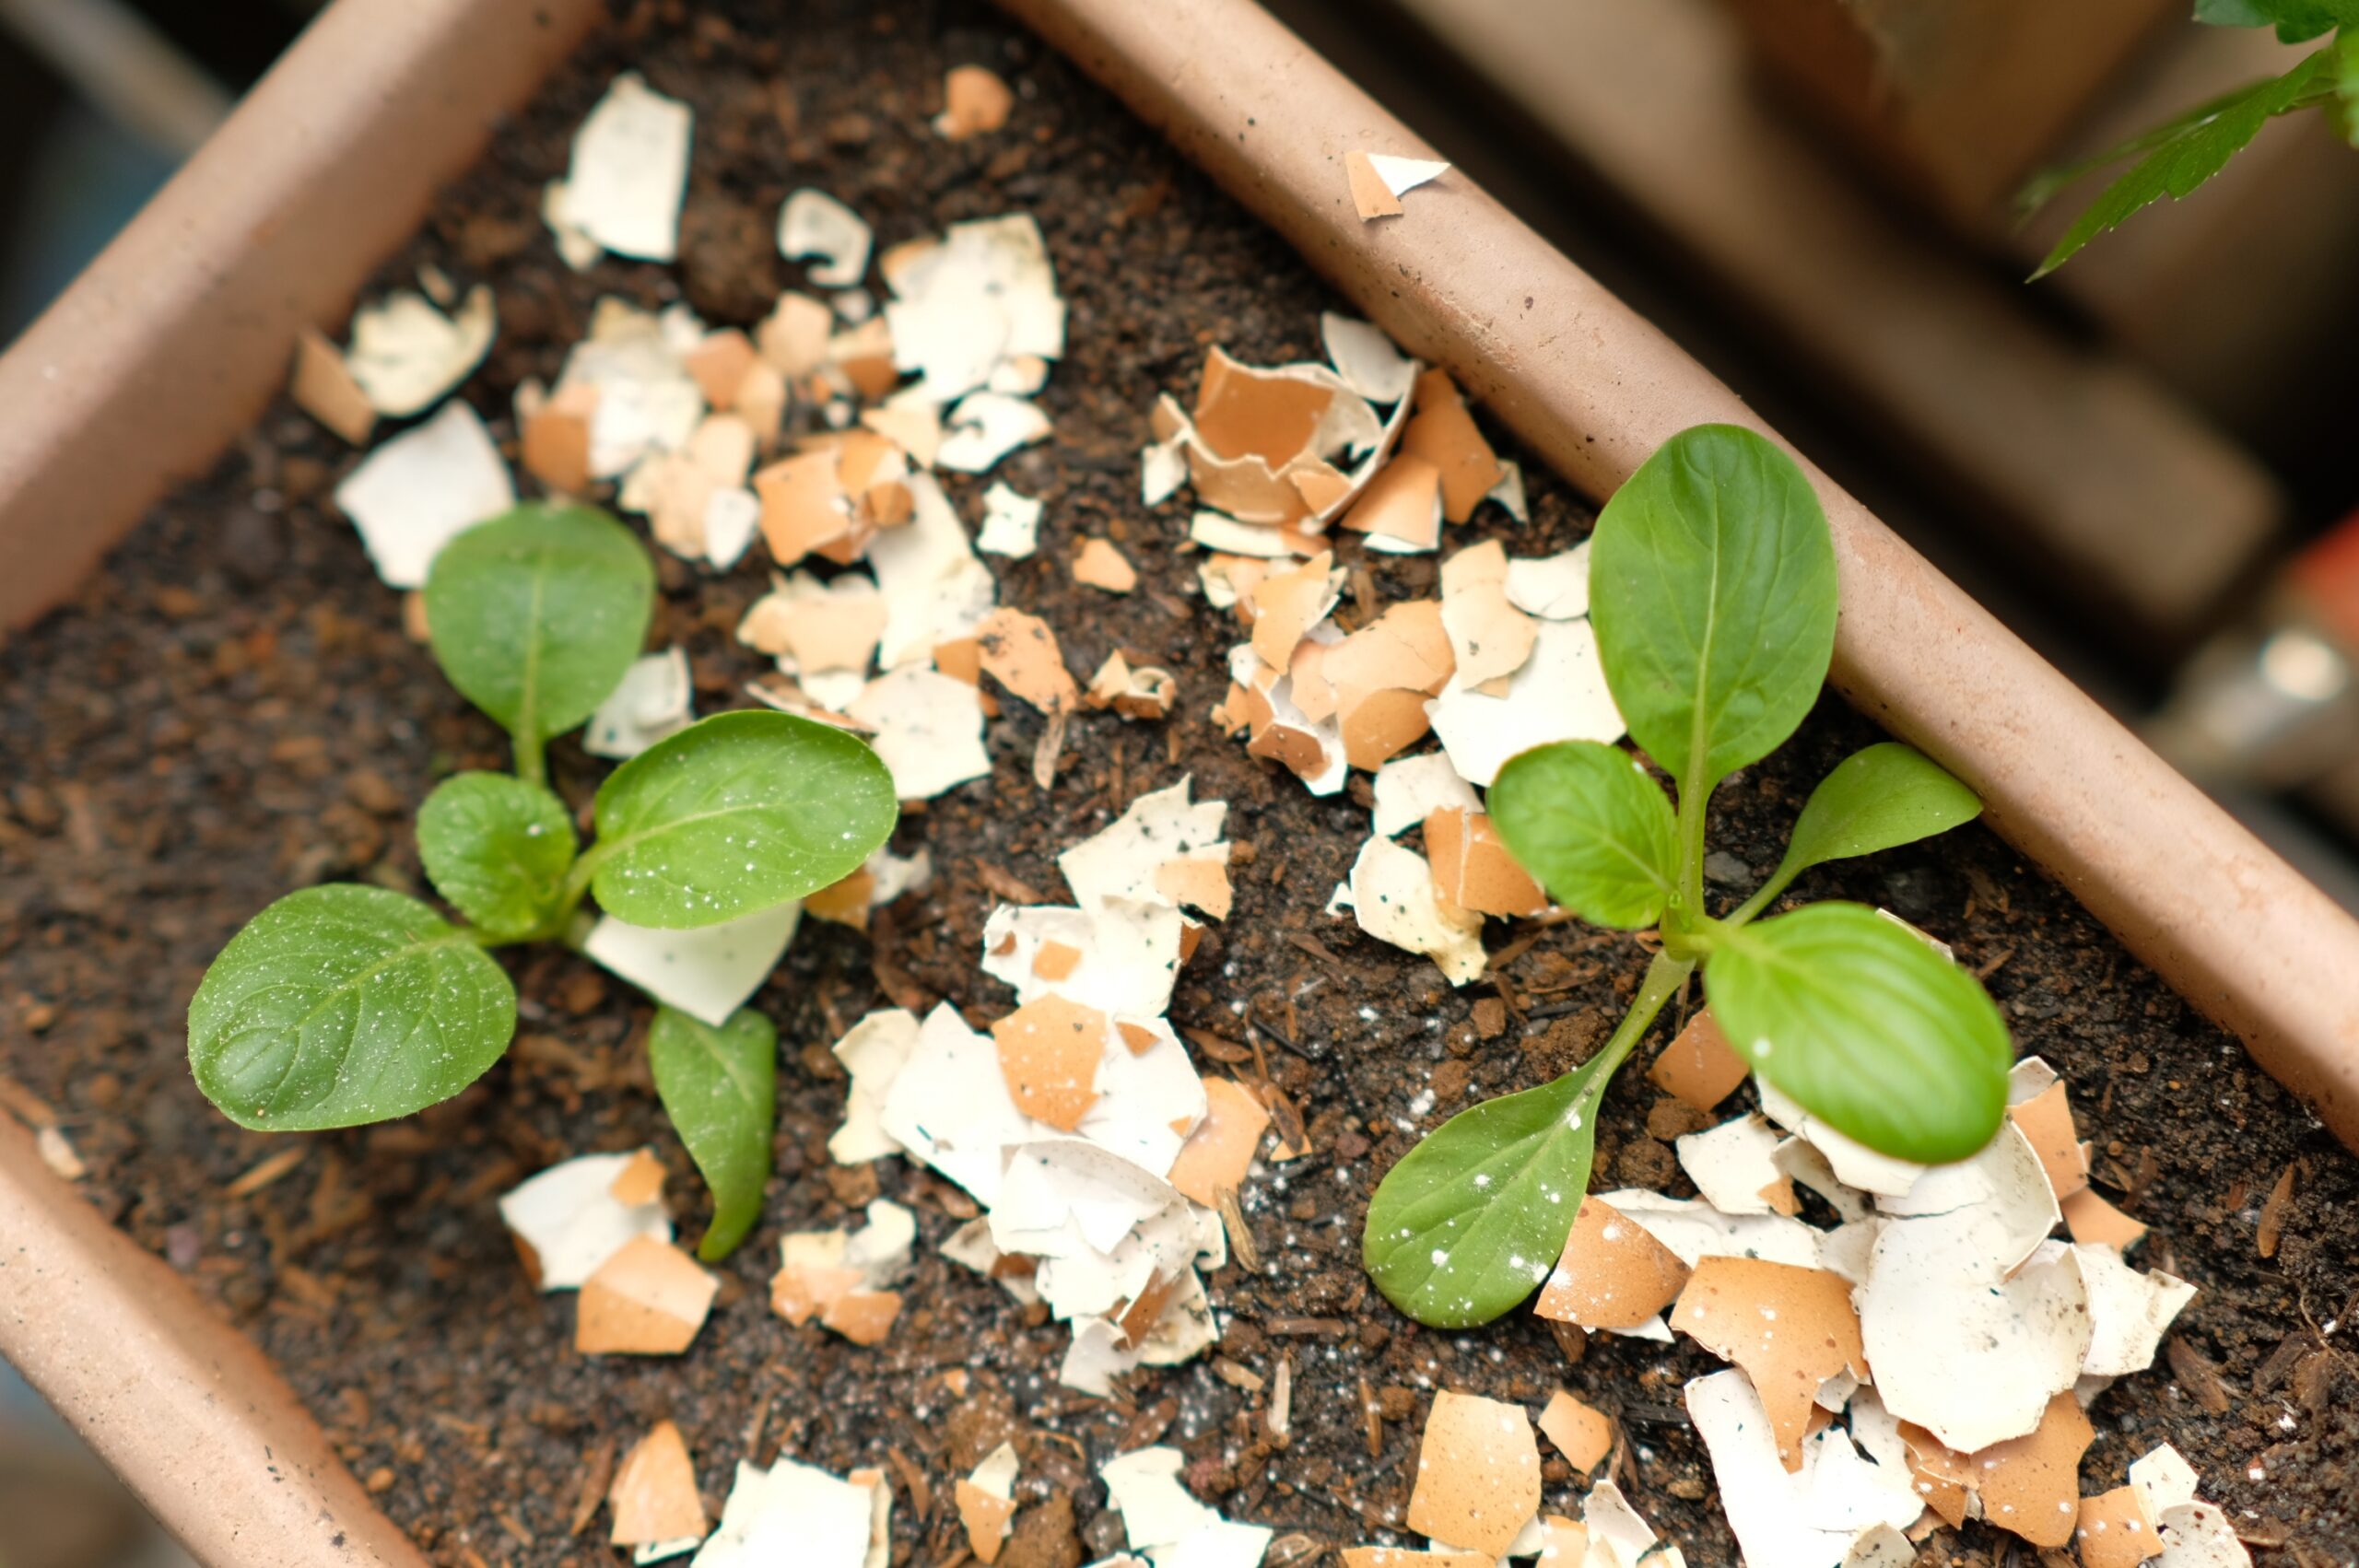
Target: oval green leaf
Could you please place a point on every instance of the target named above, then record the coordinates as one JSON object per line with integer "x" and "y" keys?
{"x": 1586, "y": 820}
{"x": 1866, "y": 1024}
{"x": 497, "y": 849}
{"x": 342, "y": 1006}
{"x": 1878, "y": 798}
{"x": 1713, "y": 591}
{"x": 1473, "y": 1218}
{"x": 535, "y": 615}
{"x": 719, "y": 1087}
{"x": 735, "y": 814}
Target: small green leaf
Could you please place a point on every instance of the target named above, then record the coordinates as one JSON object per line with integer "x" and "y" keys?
{"x": 719, "y": 1087}
{"x": 1867, "y": 1025}
{"x": 1878, "y": 798}
{"x": 735, "y": 813}
{"x": 2297, "y": 21}
{"x": 1587, "y": 820}
{"x": 2174, "y": 159}
{"x": 340, "y": 1005}
{"x": 535, "y": 615}
{"x": 1713, "y": 590}
{"x": 1473, "y": 1218}
{"x": 497, "y": 849}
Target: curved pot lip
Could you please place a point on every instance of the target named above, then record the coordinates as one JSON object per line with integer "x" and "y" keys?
{"x": 266, "y": 232}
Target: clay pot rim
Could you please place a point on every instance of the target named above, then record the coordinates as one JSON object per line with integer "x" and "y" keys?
{"x": 266, "y": 231}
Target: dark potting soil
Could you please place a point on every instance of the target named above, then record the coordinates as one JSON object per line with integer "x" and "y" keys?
{"x": 231, "y": 710}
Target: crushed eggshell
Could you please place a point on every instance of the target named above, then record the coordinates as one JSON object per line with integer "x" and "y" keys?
{"x": 1559, "y": 694}
{"x": 1099, "y": 564}
{"x": 975, "y": 102}
{"x": 567, "y": 1222}
{"x": 1378, "y": 180}
{"x": 1613, "y": 1274}
{"x": 407, "y": 356}
{"x": 323, "y": 386}
{"x": 1810, "y": 1516}
{"x": 414, "y": 493}
{"x": 796, "y": 1513}
{"x": 1734, "y": 1167}
{"x": 1011, "y": 523}
{"x": 1048, "y": 1051}
{"x": 1366, "y": 357}
{"x": 984, "y": 427}
{"x": 1219, "y": 1153}
{"x": 1442, "y": 433}
{"x": 1789, "y": 1329}
{"x": 655, "y": 1495}
{"x": 629, "y": 174}
{"x": 1478, "y": 1473}
{"x": 2097, "y": 1223}
{"x": 650, "y": 1298}
{"x": 709, "y": 972}
{"x": 1391, "y": 895}
{"x": 815, "y": 226}
{"x": 986, "y": 1500}
{"x": 1582, "y": 1434}
{"x": 1472, "y": 868}
{"x": 1698, "y": 1066}
{"x": 1410, "y": 789}
{"x": 2117, "y": 1530}
{"x": 653, "y": 702}
{"x": 1146, "y": 692}
{"x": 873, "y": 1052}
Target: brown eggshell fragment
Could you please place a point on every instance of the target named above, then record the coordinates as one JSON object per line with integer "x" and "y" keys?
{"x": 1789, "y": 1329}
{"x": 1055, "y": 960}
{"x": 974, "y": 102}
{"x": 987, "y": 1519}
{"x": 1613, "y": 1275}
{"x": 654, "y": 1492}
{"x": 2047, "y": 1119}
{"x": 865, "y": 1317}
{"x": 719, "y": 364}
{"x": 641, "y": 1181}
{"x": 803, "y": 505}
{"x": 2094, "y": 1222}
{"x": 1220, "y": 1151}
{"x": 1583, "y": 1434}
{"x": 1443, "y": 434}
{"x": 1049, "y": 1050}
{"x": 555, "y": 445}
{"x": 1021, "y": 653}
{"x": 1698, "y": 1066}
{"x": 794, "y": 337}
{"x": 1146, "y": 693}
{"x": 800, "y": 1292}
{"x": 1244, "y": 411}
{"x": 1286, "y": 604}
{"x": 1403, "y": 502}
{"x": 1099, "y": 564}
{"x": 1196, "y": 884}
{"x": 845, "y": 902}
{"x": 2030, "y": 1484}
{"x": 1472, "y": 868}
{"x": 1478, "y": 1473}
{"x": 2115, "y": 1530}
{"x": 1565, "y": 1542}
{"x": 1409, "y": 1557}
{"x": 650, "y": 1298}
{"x": 1371, "y": 197}
{"x": 323, "y": 386}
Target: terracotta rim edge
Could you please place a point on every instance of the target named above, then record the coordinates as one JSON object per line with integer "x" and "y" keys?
{"x": 1594, "y": 388}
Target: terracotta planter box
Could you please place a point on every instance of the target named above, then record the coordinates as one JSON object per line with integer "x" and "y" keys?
{"x": 180, "y": 334}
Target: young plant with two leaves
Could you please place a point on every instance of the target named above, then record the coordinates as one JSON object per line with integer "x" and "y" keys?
{"x": 1713, "y": 597}
{"x": 345, "y": 1004}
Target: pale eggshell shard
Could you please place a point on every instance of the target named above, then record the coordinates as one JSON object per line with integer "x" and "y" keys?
{"x": 650, "y": 1298}
{"x": 732, "y": 515}
{"x": 792, "y": 1513}
{"x": 2045, "y": 1120}
{"x": 1219, "y": 1153}
{"x": 2116, "y": 1529}
{"x": 1411, "y": 789}
{"x": 1472, "y": 868}
{"x": 873, "y": 1052}
{"x": 1558, "y": 695}
{"x": 949, "y": 1105}
{"x": 2092, "y": 1221}
{"x": 1959, "y": 1346}
{"x": 653, "y": 702}
{"x": 975, "y": 102}
{"x": 1478, "y": 1473}
{"x": 1221, "y": 1544}
{"x": 1128, "y": 953}
{"x": 1734, "y": 1167}
{"x": 1402, "y": 175}
{"x": 1144, "y": 1487}
{"x": 1618, "y": 1536}
{"x": 1583, "y": 1434}
{"x": 1698, "y": 1067}
{"x": 1613, "y": 1274}
{"x": 815, "y": 627}
{"x": 1366, "y": 357}
{"x": 1409, "y": 1557}
{"x": 2165, "y": 1478}
{"x": 1489, "y": 635}
{"x": 323, "y": 386}
{"x": 629, "y": 173}
{"x": 407, "y": 356}
{"x": 1098, "y": 1352}
{"x": 706, "y": 973}
{"x": 654, "y": 1492}
{"x": 567, "y": 1221}
{"x": 1855, "y": 1164}
{"x": 1995, "y": 1204}
{"x": 1122, "y": 859}
{"x": 646, "y": 400}
{"x": 1146, "y": 693}
{"x": 793, "y": 339}
{"x": 1371, "y": 197}
{"x": 2128, "y": 1312}
{"x": 1803, "y": 1163}
{"x": 1783, "y": 1519}
{"x": 1163, "y": 468}
{"x": 935, "y": 589}
{"x": 1099, "y": 564}
{"x": 983, "y": 295}
{"x": 1554, "y": 587}
{"x": 1509, "y": 491}
{"x": 984, "y": 427}
{"x": 1048, "y": 1051}
{"x": 1233, "y": 536}
{"x": 1694, "y": 1230}
{"x": 813, "y": 224}
{"x": 1391, "y": 896}
{"x": 928, "y": 730}
{"x": 418, "y": 491}
{"x": 1011, "y": 523}
{"x": 1789, "y": 1329}
{"x": 1201, "y": 885}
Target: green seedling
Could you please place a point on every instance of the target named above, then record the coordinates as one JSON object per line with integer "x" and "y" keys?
{"x": 2176, "y": 156}
{"x": 340, "y": 1005}
{"x": 1713, "y": 598}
